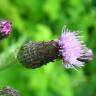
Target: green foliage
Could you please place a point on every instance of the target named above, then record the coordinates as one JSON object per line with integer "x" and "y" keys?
{"x": 43, "y": 20}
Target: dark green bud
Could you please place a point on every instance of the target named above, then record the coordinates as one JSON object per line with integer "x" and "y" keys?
{"x": 35, "y": 54}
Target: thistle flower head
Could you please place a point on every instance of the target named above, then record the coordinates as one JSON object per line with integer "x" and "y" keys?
{"x": 71, "y": 48}
{"x": 5, "y": 28}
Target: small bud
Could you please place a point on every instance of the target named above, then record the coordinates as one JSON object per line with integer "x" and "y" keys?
{"x": 5, "y": 28}
{"x": 36, "y": 54}
{"x": 8, "y": 91}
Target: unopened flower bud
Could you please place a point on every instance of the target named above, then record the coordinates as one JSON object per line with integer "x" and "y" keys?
{"x": 8, "y": 91}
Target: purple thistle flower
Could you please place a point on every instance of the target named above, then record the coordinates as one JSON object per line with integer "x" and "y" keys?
{"x": 5, "y": 28}
{"x": 72, "y": 50}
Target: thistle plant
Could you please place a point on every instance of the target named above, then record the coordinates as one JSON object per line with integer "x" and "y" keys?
{"x": 5, "y": 28}
{"x": 68, "y": 47}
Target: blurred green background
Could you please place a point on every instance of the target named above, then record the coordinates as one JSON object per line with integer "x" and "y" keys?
{"x": 40, "y": 20}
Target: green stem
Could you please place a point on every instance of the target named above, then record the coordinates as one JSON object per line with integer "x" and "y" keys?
{"x": 9, "y": 56}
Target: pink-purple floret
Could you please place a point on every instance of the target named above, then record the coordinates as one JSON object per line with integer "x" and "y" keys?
{"x": 71, "y": 48}
{"x": 5, "y": 27}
